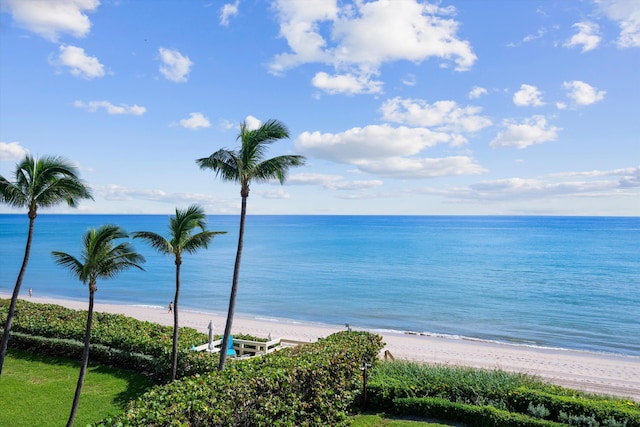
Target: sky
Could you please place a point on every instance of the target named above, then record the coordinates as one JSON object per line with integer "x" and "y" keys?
{"x": 401, "y": 107}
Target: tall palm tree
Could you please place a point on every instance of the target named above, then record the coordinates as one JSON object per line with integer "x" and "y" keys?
{"x": 242, "y": 166}
{"x": 181, "y": 239}
{"x": 43, "y": 182}
{"x": 101, "y": 258}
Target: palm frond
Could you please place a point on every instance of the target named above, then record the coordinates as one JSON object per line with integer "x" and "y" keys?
{"x": 225, "y": 163}
{"x": 101, "y": 257}
{"x": 156, "y": 241}
{"x": 44, "y": 182}
{"x": 199, "y": 241}
{"x": 69, "y": 262}
{"x": 277, "y": 167}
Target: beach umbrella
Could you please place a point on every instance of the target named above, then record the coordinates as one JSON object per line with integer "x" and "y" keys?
{"x": 210, "y": 334}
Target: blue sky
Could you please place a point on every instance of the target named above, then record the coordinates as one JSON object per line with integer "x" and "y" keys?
{"x": 461, "y": 107}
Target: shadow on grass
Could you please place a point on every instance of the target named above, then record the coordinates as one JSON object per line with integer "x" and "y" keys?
{"x": 137, "y": 383}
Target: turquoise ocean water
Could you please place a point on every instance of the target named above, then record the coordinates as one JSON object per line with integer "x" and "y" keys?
{"x": 565, "y": 282}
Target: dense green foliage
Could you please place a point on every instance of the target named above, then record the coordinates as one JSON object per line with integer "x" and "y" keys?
{"x": 491, "y": 398}
{"x": 116, "y": 339}
{"x": 37, "y": 390}
{"x": 310, "y": 385}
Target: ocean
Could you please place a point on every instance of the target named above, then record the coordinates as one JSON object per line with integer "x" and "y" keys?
{"x": 560, "y": 282}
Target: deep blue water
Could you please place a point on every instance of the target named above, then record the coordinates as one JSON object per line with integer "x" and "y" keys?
{"x": 566, "y": 282}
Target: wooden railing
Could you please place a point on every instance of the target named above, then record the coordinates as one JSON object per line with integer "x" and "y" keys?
{"x": 246, "y": 348}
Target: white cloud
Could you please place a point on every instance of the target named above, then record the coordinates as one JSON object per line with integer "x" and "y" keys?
{"x": 195, "y": 121}
{"x": 176, "y": 67}
{"x": 529, "y": 38}
{"x": 409, "y": 80}
{"x": 477, "y": 92}
{"x": 369, "y": 143}
{"x": 410, "y": 168}
{"x": 331, "y": 182}
{"x": 587, "y": 36}
{"x": 110, "y": 108}
{"x": 627, "y": 14}
{"x": 521, "y": 135}
{"x": 582, "y": 93}
{"x": 517, "y": 188}
{"x": 51, "y": 18}
{"x": 252, "y": 122}
{"x": 528, "y": 96}
{"x": 346, "y": 83}
{"x": 625, "y": 172}
{"x": 623, "y": 183}
{"x": 358, "y": 38}
{"x": 558, "y": 185}
{"x": 79, "y": 63}
{"x": 227, "y": 11}
{"x": 386, "y": 151}
{"x": 441, "y": 115}
{"x": 12, "y": 151}
{"x": 276, "y": 194}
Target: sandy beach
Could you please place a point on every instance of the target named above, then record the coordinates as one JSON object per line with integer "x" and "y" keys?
{"x": 609, "y": 374}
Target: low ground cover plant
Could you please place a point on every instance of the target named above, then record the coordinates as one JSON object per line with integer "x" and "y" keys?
{"x": 491, "y": 398}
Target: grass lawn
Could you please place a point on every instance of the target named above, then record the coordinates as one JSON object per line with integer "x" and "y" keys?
{"x": 38, "y": 390}
{"x": 381, "y": 421}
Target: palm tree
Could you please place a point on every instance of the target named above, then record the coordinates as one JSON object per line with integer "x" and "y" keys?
{"x": 101, "y": 258}
{"x": 44, "y": 182}
{"x": 242, "y": 166}
{"x": 181, "y": 239}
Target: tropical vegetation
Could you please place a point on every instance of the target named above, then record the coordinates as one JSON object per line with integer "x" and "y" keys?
{"x": 491, "y": 398}
{"x": 182, "y": 238}
{"x": 38, "y": 183}
{"x": 243, "y": 166}
{"x": 273, "y": 390}
{"x": 102, "y": 258}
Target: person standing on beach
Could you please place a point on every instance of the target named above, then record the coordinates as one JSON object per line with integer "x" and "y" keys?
{"x": 171, "y": 307}
{"x": 30, "y": 292}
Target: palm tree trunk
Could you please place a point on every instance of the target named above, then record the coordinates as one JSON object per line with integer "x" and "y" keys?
{"x": 85, "y": 359}
{"x": 16, "y": 292}
{"x": 174, "y": 353}
{"x": 234, "y": 287}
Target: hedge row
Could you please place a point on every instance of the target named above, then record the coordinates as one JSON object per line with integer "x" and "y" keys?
{"x": 600, "y": 410}
{"x": 310, "y": 385}
{"x": 474, "y": 390}
{"x": 73, "y": 349}
{"x": 116, "y": 340}
{"x": 472, "y": 415}
{"x": 111, "y": 330}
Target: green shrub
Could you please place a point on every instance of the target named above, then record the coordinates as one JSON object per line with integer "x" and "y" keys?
{"x": 116, "y": 340}
{"x": 578, "y": 407}
{"x": 501, "y": 390}
{"x": 472, "y": 415}
{"x": 111, "y": 330}
{"x": 310, "y": 385}
{"x": 458, "y": 384}
{"x": 538, "y": 411}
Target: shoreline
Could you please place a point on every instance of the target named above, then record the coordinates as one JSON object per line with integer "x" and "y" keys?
{"x": 603, "y": 373}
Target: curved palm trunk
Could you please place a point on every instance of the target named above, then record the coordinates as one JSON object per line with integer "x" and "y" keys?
{"x": 234, "y": 287}
{"x": 174, "y": 353}
{"x": 16, "y": 292}
{"x": 85, "y": 358}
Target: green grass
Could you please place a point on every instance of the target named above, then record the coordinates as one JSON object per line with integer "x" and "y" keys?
{"x": 382, "y": 421}
{"x": 38, "y": 390}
